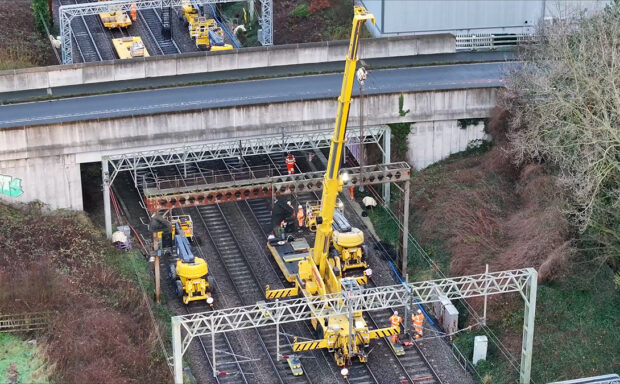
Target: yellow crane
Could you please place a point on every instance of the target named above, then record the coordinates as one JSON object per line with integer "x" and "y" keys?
{"x": 316, "y": 272}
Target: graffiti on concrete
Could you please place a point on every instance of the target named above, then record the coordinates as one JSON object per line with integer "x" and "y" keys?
{"x": 10, "y": 186}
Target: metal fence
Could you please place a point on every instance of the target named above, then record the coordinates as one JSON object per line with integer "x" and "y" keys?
{"x": 488, "y": 41}
{"x": 24, "y": 322}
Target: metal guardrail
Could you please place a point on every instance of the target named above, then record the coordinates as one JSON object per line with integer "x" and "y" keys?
{"x": 488, "y": 41}
{"x": 24, "y": 322}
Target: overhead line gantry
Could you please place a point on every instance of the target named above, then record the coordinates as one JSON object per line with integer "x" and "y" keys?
{"x": 276, "y": 313}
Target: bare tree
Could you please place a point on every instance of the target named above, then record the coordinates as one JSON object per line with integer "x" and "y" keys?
{"x": 565, "y": 102}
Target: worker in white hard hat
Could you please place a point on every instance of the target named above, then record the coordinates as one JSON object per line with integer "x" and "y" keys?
{"x": 300, "y": 217}
{"x": 395, "y": 320}
{"x": 417, "y": 321}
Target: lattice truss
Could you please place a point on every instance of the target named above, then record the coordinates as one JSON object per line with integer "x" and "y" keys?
{"x": 68, "y": 12}
{"x": 235, "y": 148}
{"x": 275, "y": 313}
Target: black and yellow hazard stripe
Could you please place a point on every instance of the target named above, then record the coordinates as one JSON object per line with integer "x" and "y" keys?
{"x": 280, "y": 293}
{"x": 306, "y": 346}
{"x": 384, "y": 332}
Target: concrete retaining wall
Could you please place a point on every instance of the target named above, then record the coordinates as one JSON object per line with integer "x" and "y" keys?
{"x": 201, "y": 62}
{"x": 432, "y": 141}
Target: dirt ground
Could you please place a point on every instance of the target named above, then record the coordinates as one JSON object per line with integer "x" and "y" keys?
{"x": 21, "y": 44}
{"x": 324, "y": 20}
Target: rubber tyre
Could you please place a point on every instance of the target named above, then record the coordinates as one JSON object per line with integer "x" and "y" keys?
{"x": 211, "y": 284}
{"x": 172, "y": 271}
{"x": 178, "y": 288}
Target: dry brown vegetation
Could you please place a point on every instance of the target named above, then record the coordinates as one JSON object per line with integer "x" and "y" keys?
{"x": 21, "y": 45}
{"x": 101, "y": 331}
{"x": 300, "y": 21}
{"x": 499, "y": 214}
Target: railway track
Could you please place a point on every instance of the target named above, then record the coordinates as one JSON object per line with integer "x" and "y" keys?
{"x": 152, "y": 21}
{"x": 414, "y": 368}
{"x": 82, "y": 37}
{"x": 246, "y": 284}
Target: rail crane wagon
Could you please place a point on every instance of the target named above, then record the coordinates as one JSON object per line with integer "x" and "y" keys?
{"x": 112, "y": 20}
{"x": 129, "y": 47}
{"x": 314, "y": 270}
{"x": 347, "y": 241}
{"x": 189, "y": 273}
{"x": 205, "y": 32}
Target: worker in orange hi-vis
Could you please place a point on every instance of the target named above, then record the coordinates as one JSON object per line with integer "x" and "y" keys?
{"x": 300, "y": 217}
{"x": 290, "y": 163}
{"x": 134, "y": 12}
{"x": 351, "y": 193}
{"x": 417, "y": 321}
{"x": 395, "y": 320}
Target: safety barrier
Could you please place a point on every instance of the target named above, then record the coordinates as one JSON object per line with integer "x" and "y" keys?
{"x": 488, "y": 41}
{"x": 24, "y": 322}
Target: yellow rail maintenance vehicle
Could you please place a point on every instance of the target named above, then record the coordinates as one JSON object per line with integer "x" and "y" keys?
{"x": 129, "y": 47}
{"x": 315, "y": 271}
{"x": 115, "y": 19}
{"x": 347, "y": 241}
{"x": 189, "y": 273}
{"x": 186, "y": 224}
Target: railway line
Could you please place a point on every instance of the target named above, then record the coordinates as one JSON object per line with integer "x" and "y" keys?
{"x": 83, "y": 38}
{"x": 151, "y": 21}
{"x": 252, "y": 218}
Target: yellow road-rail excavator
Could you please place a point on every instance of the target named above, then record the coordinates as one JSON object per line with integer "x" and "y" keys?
{"x": 316, "y": 271}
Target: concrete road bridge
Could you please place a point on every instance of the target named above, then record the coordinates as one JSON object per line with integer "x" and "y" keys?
{"x": 42, "y": 144}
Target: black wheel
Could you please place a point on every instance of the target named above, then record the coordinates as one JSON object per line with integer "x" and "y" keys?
{"x": 319, "y": 331}
{"x": 178, "y": 288}
{"x": 172, "y": 272}
{"x": 211, "y": 284}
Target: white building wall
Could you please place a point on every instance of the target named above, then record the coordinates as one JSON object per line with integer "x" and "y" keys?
{"x": 469, "y": 16}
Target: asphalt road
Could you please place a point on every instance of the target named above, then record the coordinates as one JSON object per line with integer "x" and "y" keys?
{"x": 249, "y": 92}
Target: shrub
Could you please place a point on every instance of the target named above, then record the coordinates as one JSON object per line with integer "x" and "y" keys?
{"x": 301, "y": 12}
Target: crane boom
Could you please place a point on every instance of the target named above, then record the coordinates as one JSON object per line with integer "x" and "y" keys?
{"x": 332, "y": 185}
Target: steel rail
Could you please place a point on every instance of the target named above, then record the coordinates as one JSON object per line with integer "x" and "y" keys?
{"x": 231, "y": 352}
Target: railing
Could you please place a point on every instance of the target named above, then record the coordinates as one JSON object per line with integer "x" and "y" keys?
{"x": 24, "y": 322}
{"x": 488, "y": 41}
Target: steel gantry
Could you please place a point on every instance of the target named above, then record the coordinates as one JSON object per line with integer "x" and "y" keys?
{"x": 213, "y": 150}
{"x": 276, "y": 313}
{"x": 68, "y": 12}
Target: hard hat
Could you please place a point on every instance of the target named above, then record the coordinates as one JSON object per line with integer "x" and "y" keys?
{"x": 299, "y": 207}
{"x": 419, "y": 311}
{"x": 396, "y": 312}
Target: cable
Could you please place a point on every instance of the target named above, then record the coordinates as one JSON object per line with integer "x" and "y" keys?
{"x": 223, "y": 27}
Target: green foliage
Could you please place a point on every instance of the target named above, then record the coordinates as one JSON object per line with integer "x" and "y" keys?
{"x": 400, "y": 131}
{"x": 21, "y": 361}
{"x": 41, "y": 14}
{"x": 577, "y": 326}
{"x": 301, "y": 11}
{"x": 464, "y": 123}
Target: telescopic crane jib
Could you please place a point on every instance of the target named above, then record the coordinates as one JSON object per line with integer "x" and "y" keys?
{"x": 318, "y": 271}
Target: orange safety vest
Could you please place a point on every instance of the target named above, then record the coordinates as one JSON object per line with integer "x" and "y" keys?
{"x": 300, "y": 217}
{"x": 418, "y": 321}
{"x": 134, "y": 11}
{"x": 395, "y": 320}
